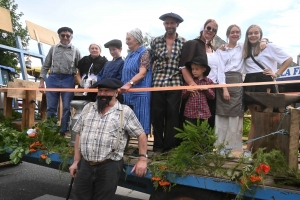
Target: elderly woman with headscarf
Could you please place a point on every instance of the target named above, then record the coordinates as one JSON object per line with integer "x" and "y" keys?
{"x": 90, "y": 66}
{"x": 137, "y": 74}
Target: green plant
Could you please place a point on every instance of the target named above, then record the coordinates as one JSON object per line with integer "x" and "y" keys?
{"x": 12, "y": 140}
{"x": 46, "y": 139}
{"x": 197, "y": 154}
{"x": 246, "y": 126}
{"x": 52, "y": 142}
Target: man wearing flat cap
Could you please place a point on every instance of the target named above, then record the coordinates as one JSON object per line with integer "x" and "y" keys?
{"x": 102, "y": 131}
{"x": 113, "y": 69}
{"x": 165, "y": 104}
{"x": 61, "y": 61}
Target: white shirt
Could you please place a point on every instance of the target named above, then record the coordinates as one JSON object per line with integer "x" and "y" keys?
{"x": 268, "y": 58}
{"x": 213, "y": 62}
{"x": 230, "y": 60}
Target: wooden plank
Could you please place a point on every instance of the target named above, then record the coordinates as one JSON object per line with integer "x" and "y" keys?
{"x": 5, "y": 20}
{"x": 30, "y": 112}
{"x": 24, "y": 114}
{"x": 22, "y": 93}
{"x": 7, "y": 110}
{"x": 266, "y": 123}
{"x": 43, "y": 107}
{"x": 294, "y": 138}
{"x": 42, "y": 34}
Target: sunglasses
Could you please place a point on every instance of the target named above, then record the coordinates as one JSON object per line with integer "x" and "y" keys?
{"x": 65, "y": 35}
{"x": 212, "y": 29}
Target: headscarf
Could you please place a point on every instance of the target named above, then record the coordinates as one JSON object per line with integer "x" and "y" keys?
{"x": 100, "y": 47}
{"x": 137, "y": 34}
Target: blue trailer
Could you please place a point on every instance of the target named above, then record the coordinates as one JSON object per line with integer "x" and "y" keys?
{"x": 193, "y": 186}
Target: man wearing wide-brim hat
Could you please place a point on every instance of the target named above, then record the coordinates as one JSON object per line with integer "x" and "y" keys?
{"x": 102, "y": 132}
{"x": 165, "y": 104}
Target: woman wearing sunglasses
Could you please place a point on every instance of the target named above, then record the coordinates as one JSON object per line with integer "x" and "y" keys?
{"x": 260, "y": 66}
{"x": 201, "y": 46}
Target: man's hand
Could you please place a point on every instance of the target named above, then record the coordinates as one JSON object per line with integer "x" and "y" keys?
{"x": 42, "y": 85}
{"x": 140, "y": 167}
{"x": 73, "y": 169}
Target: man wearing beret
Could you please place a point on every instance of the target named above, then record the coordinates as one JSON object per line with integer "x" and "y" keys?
{"x": 102, "y": 131}
{"x": 61, "y": 61}
{"x": 113, "y": 69}
{"x": 165, "y": 104}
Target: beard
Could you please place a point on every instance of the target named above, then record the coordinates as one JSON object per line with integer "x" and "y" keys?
{"x": 102, "y": 102}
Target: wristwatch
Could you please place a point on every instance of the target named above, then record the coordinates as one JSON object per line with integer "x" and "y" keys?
{"x": 131, "y": 82}
{"x": 144, "y": 155}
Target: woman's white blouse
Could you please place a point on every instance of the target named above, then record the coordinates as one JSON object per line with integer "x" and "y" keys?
{"x": 268, "y": 58}
{"x": 230, "y": 60}
{"x": 213, "y": 62}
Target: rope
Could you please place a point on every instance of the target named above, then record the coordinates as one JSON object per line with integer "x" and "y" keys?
{"x": 151, "y": 89}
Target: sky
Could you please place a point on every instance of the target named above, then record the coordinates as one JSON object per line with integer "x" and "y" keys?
{"x": 99, "y": 21}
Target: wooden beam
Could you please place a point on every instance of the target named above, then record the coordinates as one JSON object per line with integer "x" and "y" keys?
{"x": 294, "y": 138}
{"x": 7, "y": 110}
{"x": 30, "y": 101}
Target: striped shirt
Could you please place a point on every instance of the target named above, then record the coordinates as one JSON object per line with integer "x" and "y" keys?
{"x": 197, "y": 106}
{"x": 166, "y": 70}
{"x": 98, "y": 133}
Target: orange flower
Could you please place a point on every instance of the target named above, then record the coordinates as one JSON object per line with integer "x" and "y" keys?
{"x": 163, "y": 167}
{"x": 255, "y": 179}
{"x": 38, "y": 143}
{"x": 263, "y": 168}
{"x": 43, "y": 156}
{"x": 32, "y": 145}
{"x": 32, "y": 150}
{"x": 32, "y": 135}
{"x": 242, "y": 181}
{"x": 156, "y": 178}
{"x": 164, "y": 183}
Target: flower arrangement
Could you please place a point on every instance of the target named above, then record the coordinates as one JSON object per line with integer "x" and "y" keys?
{"x": 252, "y": 176}
{"x": 197, "y": 154}
{"x": 43, "y": 137}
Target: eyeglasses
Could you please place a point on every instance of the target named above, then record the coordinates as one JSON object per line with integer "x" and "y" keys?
{"x": 65, "y": 35}
{"x": 212, "y": 29}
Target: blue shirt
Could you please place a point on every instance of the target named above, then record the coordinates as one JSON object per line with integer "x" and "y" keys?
{"x": 111, "y": 69}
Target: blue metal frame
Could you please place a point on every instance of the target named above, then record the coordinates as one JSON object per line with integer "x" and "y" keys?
{"x": 21, "y": 53}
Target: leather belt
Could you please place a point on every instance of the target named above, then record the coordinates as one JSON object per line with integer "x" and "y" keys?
{"x": 97, "y": 163}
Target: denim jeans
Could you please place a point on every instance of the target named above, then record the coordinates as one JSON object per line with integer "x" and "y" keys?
{"x": 96, "y": 182}
{"x": 60, "y": 81}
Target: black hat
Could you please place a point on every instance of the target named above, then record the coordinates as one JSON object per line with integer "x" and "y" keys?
{"x": 108, "y": 83}
{"x": 63, "y": 29}
{"x": 199, "y": 60}
{"x": 173, "y": 15}
{"x": 114, "y": 43}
